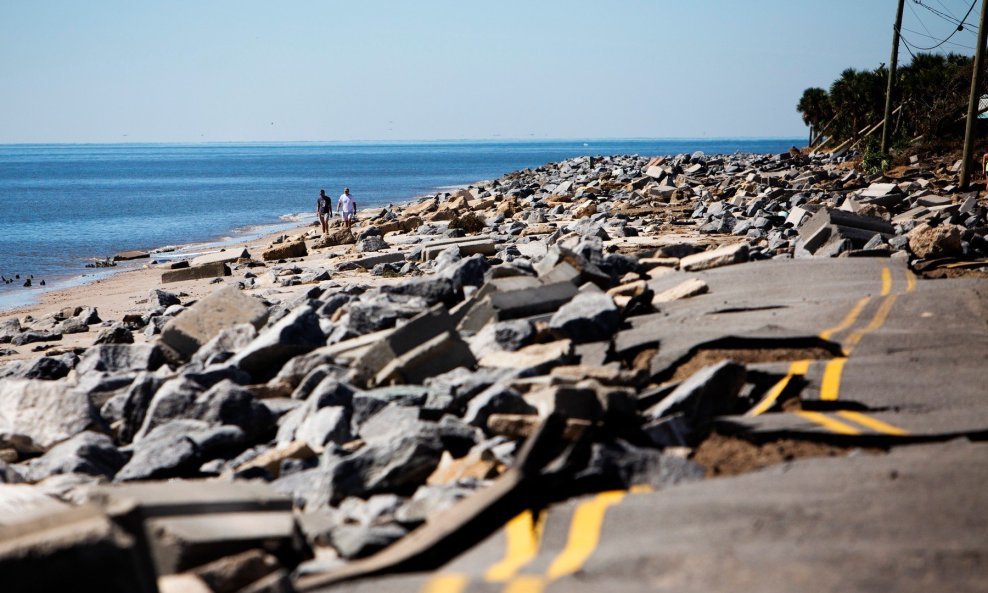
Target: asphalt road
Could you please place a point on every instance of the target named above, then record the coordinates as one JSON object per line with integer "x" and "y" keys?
{"x": 906, "y": 373}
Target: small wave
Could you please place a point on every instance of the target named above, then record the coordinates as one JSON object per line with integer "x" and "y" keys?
{"x": 297, "y": 216}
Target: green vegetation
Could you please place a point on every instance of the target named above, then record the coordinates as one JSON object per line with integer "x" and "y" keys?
{"x": 931, "y": 93}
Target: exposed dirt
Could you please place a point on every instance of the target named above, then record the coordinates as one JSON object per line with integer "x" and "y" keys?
{"x": 705, "y": 358}
{"x": 730, "y": 456}
{"x": 953, "y": 273}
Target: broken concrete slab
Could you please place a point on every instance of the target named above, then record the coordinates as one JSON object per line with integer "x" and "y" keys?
{"x": 131, "y": 255}
{"x": 723, "y": 256}
{"x": 180, "y": 543}
{"x": 537, "y": 357}
{"x": 404, "y": 338}
{"x": 286, "y": 250}
{"x": 222, "y": 309}
{"x": 710, "y": 392}
{"x": 685, "y": 289}
{"x": 437, "y": 355}
{"x": 222, "y": 256}
{"x": 214, "y": 270}
{"x": 75, "y": 549}
{"x": 466, "y": 248}
{"x": 514, "y": 304}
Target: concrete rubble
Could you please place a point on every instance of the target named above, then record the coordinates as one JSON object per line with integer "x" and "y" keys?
{"x": 302, "y": 423}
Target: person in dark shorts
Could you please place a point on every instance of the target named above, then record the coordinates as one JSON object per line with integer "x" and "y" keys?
{"x": 324, "y": 210}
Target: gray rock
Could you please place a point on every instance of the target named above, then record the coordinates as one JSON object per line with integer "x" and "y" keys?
{"x": 428, "y": 501}
{"x": 711, "y": 391}
{"x": 135, "y": 404}
{"x": 72, "y": 325}
{"x": 227, "y": 403}
{"x": 222, "y": 403}
{"x": 115, "y": 358}
{"x": 162, "y": 298}
{"x": 358, "y": 541}
{"x": 9, "y": 329}
{"x": 88, "y": 453}
{"x": 118, "y": 333}
{"x": 47, "y": 368}
{"x": 396, "y": 466}
{"x": 225, "y": 344}
{"x": 47, "y": 412}
{"x": 589, "y": 317}
{"x": 621, "y": 465}
{"x": 297, "y": 333}
{"x": 390, "y": 420}
{"x": 330, "y": 424}
{"x": 329, "y": 392}
{"x": 33, "y": 336}
{"x": 372, "y": 243}
{"x": 497, "y": 399}
{"x": 178, "y": 448}
{"x": 501, "y": 335}
{"x": 432, "y": 289}
{"x": 367, "y": 403}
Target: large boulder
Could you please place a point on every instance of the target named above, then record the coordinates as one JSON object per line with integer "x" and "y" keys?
{"x": 118, "y": 358}
{"x": 943, "y": 240}
{"x": 178, "y": 448}
{"x": 47, "y": 412}
{"x": 589, "y": 317}
{"x": 88, "y": 452}
{"x": 285, "y": 250}
{"x": 297, "y": 333}
{"x": 200, "y": 323}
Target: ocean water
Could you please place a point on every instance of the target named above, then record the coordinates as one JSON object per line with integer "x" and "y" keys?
{"x": 63, "y": 205}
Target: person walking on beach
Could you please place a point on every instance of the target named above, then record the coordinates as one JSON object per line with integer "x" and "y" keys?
{"x": 348, "y": 205}
{"x": 324, "y": 210}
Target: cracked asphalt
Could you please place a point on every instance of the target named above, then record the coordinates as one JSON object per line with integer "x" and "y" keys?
{"x": 905, "y": 378}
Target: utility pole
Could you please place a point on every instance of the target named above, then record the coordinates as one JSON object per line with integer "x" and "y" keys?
{"x": 972, "y": 107}
{"x": 893, "y": 62}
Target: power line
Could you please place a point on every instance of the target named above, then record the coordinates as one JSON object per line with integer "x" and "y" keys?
{"x": 960, "y": 24}
{"x": 961, "y": 45}
{"x": 952, "y": 33}
{"x": 940, "y": 2}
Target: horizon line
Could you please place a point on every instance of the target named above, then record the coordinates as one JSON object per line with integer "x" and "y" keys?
{"x": 404, "y": 141}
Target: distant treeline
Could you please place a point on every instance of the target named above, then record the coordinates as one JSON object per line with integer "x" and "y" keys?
{"x": 931, "y": 94}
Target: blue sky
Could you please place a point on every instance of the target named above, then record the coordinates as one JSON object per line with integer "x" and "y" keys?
{"x": 222, "y": 70}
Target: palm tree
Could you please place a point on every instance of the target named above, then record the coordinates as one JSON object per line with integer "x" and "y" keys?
{"x": 814, "y": 106}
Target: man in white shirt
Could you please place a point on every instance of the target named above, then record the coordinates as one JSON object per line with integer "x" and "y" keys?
{"x": 348, "y": 205}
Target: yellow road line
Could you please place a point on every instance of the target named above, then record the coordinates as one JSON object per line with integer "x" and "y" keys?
{"x": 876, "y": 322}
{"x": 886, "y": 281}
{"x": 873, "y": 423}
{"x": 524, "y": 533}
{"x": 445, "y": 583}
{"x": 848, "y": 321}
{"x": 526, "y": 583}
{"x": 584, "y": 534}
{"x": 910, "y": 281}
{"x": 797, "y": 367}
{"x": 830, "y": 385}
{"x": 828, "y": 423}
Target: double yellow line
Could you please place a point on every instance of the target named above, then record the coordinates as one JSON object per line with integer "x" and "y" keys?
{"x": 834, "y": 369}
{"x": 523, "y": 537}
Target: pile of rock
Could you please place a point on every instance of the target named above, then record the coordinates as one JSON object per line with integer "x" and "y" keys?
{"x": 331, "y": 418}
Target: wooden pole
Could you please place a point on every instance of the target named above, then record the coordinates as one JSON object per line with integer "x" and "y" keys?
{"x": 972, "y": 107}
{"x": 893, "y": 62}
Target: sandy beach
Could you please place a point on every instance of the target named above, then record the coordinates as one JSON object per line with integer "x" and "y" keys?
{"x": 126, "y": 291}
